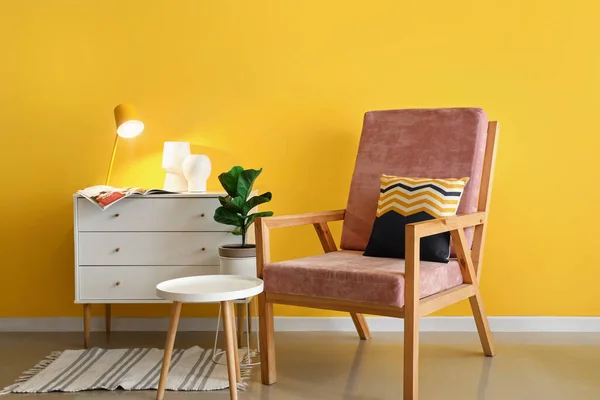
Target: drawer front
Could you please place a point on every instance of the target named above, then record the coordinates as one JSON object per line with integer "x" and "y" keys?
{"x": 150, "y": 214}
{"x": 151, "y": 248}
{"x": 130, "y": 283}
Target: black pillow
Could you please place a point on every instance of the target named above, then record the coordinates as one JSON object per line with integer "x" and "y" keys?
{"x": 406, "y": 200}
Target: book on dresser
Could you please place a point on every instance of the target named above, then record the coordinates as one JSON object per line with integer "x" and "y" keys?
{"x": 105, "y": 196}
{"x": 122, "y": 253}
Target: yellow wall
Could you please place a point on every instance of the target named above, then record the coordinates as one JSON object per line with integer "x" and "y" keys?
{"x": 283, "y": 85}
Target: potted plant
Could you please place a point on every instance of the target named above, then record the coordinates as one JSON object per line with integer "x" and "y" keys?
{"x": 237, "y": 210}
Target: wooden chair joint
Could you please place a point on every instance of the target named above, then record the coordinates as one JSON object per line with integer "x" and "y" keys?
{"x": 447, "y": 224}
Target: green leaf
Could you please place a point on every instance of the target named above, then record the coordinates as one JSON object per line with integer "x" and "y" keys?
{"x": 237, "y": 231}
{"x": 228, "y": 217}
{"x": 252, "y": 217}
{"x": 229, "y": 180}
{"x": 255, "y": 201}
{"x": 224, "y": 200}
{"x": 229, "y": 203}
{"x": 239, "y": 202}
{"x": 245, "y": 182}
{"x": 232, "y": 207}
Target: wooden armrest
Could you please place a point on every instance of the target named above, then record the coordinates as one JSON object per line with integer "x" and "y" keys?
{"x": 263, "y": 225}
{"x": 434, "y": 226}
{"x": 282, "y": 221}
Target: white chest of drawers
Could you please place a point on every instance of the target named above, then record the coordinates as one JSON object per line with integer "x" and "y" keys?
{"x": 121, "y": 253}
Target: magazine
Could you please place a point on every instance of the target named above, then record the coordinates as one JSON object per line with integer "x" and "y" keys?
{"x": 106, "y": 196}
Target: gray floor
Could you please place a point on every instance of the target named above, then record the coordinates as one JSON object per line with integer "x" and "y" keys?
{"x": 338, "y": 366}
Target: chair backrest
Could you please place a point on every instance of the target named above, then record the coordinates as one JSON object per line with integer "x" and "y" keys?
{"x": 425, "y": 143}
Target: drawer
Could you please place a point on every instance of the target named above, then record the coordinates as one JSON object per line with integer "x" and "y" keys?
{"x": 130, "y": 283}
{"x": 151, "y": 248}
{"x": 151, "y": 214}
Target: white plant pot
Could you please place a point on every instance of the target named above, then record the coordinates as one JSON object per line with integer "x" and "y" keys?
{"x": 238, "y": 261}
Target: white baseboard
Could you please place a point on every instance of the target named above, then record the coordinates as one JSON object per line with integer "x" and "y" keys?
{"x": 306, "y": 324}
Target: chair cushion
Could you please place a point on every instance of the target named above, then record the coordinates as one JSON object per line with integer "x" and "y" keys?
{"x": 432, "y": 143}
{"x": 406, "y": 200}
{"x": 348, "y": 275}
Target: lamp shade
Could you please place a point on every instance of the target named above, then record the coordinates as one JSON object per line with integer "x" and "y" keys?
{"x": 128, "y": 123}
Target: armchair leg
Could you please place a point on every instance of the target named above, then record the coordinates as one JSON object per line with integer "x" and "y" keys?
{"x": 483, "y": 327}
{"x": 267, "y": 341}
{"x": 361, "y": 326}
{"x": 411, "y": 316}
{"x": 411, "y": 356}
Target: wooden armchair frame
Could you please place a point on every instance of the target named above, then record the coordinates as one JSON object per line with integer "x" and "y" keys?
{"x": 469, "y": 260}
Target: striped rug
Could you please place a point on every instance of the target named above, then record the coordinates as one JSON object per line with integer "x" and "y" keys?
{"x": 129, "y": 369}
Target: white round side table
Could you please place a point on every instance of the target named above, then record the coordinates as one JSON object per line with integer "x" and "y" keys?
{"x": 207, "y": 289}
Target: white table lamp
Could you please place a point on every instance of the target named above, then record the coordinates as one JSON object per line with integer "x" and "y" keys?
{"x": 174, "y": 153}
{"x": 196, "y": 169}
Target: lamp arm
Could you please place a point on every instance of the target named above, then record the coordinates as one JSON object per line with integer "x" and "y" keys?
{"x": 112, "y": 159}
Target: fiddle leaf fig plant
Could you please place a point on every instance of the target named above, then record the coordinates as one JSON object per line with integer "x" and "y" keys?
{"x": 236, "y": 206}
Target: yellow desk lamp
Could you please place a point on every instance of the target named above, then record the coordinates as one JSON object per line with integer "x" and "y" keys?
{"x": 128, "y": 126}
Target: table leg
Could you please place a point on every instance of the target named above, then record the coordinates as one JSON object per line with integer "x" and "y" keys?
{"x": 236, "y": 354}
{"x": 107, "y": 317}
{"x": 249, "y": 317}
{"x": 230, "y": 347}
{"x": 175, "y": 311}
{"x": 240, "y": 325}
{"x": 87, "y": 316}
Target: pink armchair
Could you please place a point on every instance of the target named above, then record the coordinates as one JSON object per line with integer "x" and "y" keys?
{"x": 431, "y": 143}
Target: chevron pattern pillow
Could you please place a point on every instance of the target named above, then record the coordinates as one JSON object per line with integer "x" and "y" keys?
{"x": 406, "y": 200}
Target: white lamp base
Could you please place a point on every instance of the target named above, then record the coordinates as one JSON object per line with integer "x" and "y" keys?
{"x": 196, "y": 169}
{"x": 196, "y": 186}
{"x": 175, "y": 182}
